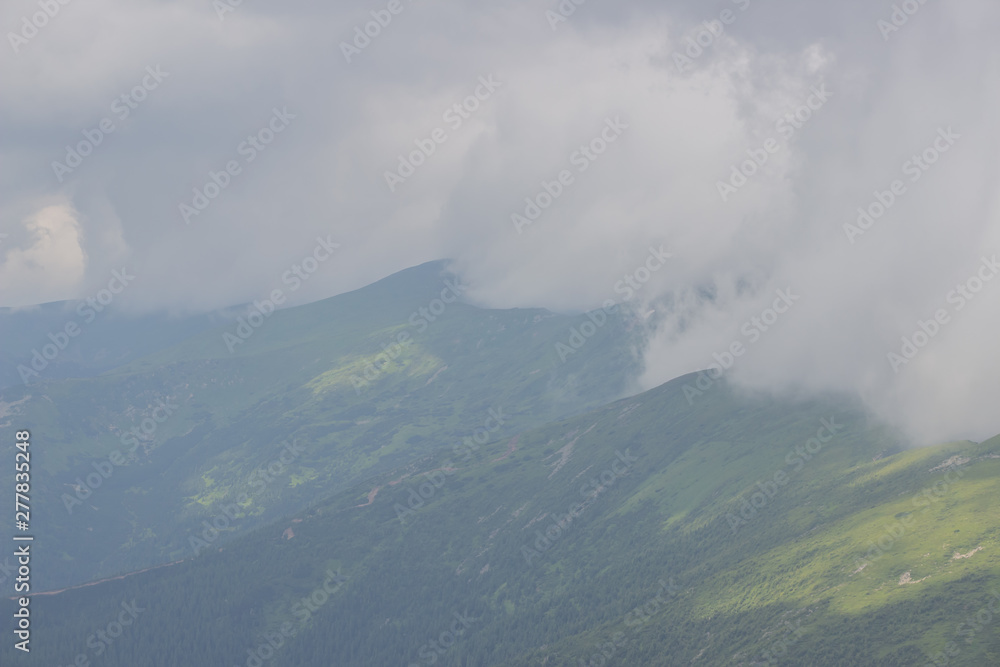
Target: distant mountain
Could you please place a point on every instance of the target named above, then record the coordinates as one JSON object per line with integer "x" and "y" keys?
{"x": 657, "y": 530}
{"x": 80, "y": 339}
{"x": 245, "y": 422}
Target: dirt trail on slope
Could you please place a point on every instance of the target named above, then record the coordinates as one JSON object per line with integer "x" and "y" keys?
{"x": 100, "y": 581}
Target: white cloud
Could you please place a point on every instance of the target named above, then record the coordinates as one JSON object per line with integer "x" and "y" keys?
{"x": 50, "y": 264}
{"x": 656, "y": 185}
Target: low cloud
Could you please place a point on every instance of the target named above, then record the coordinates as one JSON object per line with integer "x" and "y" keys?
{"x": 44, "y": 259}
{"x": 678, "y": 175}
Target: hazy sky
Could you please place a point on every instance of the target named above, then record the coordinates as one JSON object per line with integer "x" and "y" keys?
{"x": 594, "y": 116}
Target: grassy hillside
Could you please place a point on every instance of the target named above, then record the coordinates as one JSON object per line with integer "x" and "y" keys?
{"x": 730, "y": 531}
{"x": 128, "y": 466}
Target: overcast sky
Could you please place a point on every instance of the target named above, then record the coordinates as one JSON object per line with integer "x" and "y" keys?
{"x": 200, "y": 78}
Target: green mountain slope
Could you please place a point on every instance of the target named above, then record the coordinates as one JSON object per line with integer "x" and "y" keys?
{"x": 731, "y": 531}
{"x": 128, "y": 466}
